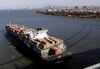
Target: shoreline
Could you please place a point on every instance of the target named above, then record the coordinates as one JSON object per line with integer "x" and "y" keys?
{"x": 80, "y": 17}
{"x": 71, "y": 14}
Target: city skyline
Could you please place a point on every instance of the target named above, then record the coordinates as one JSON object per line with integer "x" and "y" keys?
{"x": 19, "y": 4}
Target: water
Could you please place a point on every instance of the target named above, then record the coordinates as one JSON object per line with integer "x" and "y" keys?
{"x": 82, "y": 36}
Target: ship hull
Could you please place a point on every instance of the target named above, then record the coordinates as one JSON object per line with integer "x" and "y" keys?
{"x": 64, "y": 57}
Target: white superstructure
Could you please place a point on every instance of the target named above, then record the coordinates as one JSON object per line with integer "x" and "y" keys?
{"x": 39, "y": 33}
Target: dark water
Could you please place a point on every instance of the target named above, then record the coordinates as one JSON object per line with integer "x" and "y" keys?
{"x": 82, "y": 36}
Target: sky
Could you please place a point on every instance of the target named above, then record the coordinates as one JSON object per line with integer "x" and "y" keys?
{"x": 18, "y": 4}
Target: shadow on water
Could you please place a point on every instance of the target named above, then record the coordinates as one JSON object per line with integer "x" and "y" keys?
{"x": 36, "y": 61}
{"x": 85, "y": 59}
{"x": 52, "y": 66}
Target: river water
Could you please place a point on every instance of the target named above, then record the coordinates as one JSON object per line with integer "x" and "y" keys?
{"x": 82, "y": 36}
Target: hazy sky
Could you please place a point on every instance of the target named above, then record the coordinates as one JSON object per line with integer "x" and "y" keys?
{"x": 15, "y": 4}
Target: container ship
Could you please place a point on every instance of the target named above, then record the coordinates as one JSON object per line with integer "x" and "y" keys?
{"x": 48, "y": 48}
